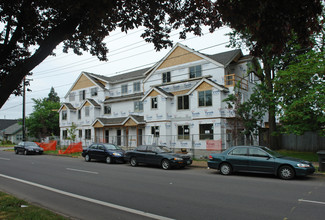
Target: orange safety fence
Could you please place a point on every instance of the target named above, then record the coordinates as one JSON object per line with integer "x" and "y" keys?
{"x": 73, "y": 148}
{"x": 48, "y": 146}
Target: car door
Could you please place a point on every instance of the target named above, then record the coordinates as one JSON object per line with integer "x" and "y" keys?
{"x": 140, "y": 154}
{"x": 152, "y": 156}
{"x": 238, "y": 158}
{"x": 101, "y": 152}
{"x": 260, "y": 161}
{"x": 93, "y": 151}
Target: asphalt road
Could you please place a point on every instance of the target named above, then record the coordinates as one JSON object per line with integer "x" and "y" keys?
{"x": 97, "y": 190}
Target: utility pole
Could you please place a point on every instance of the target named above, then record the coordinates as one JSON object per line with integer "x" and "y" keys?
{"x": 24, "y": 100}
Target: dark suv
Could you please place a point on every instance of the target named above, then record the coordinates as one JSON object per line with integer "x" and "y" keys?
{"x": 106, "y": 152}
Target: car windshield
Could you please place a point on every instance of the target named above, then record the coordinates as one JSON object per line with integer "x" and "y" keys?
{"x": 31, "y": 144}
{"x": 162, "y": 149}
{"x": 111, "y": 147}
{"x": 273, "y": 153}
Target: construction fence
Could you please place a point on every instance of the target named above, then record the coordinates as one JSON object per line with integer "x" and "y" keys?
{"x": 199, "y": 146}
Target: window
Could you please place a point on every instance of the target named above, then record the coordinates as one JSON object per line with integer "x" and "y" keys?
{"x": 154, "y": 103}
{"x": 124, "y": 89}
{"x": 240, "y": 151}
{"x": 254, "y": 152}
{"x": 93, "y": 92}
{"x": 64, "y": 134}
{"x": 155, "y": 131}
{"x": 79, "y": 113}
{"x": 87, "y": 111}
{"x": 195, "y": 71}
{"x": 107, "y": 109}
{"x": 142, "y": 148}
{"x": 64, "y": 115}
{"x": 182, "y": 102}
{"x": 166, "y": 77}
{"x": 136, "y": 87}
{"x": 80, "y": 133}
{"x": 138, "y": 106}
{"x": 183, "y": 132}
{"x": 88, "y": 134}
{"x": 82, "y": 95}
{"x": 206, "y": 132}
{"x": 71, "y": 96}
{"x": 19, "y": 137}
{"x": 205, "y": 98}
{"x": 251, "y": 77}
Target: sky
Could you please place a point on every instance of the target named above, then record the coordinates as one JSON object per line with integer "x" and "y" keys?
{"x": 127, "y": 52}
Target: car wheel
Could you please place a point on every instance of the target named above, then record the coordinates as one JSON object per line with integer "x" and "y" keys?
{"x": 133, "y": 162}
{"x": 25, "y": 152}
{"x": 165, "y": 164}
{"x": 286, "y": 172}
{"x": 225, "y": 169}
{"x": 87, "y": 158}
{"x": 108, "y": 160}
{"x": 16, "y": 151}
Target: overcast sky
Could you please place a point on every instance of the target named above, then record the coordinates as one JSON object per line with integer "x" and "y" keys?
{"x": 128, "y": 52}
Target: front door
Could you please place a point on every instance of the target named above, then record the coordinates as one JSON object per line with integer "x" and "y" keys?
{"x": 106, "y": 136}
{"x": 139, "y": 137}
{"x": 118, "y": 134}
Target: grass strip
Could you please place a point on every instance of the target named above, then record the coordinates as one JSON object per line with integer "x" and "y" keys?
{"x": 14, "y": 208}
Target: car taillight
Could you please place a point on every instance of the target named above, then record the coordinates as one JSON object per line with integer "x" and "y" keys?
{"x": 210, "y": 157}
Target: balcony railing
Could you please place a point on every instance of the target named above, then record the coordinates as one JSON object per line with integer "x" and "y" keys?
{"x": 231, "y": 80}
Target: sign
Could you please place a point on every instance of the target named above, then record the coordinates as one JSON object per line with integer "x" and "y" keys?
{"x": 213, "y": 145}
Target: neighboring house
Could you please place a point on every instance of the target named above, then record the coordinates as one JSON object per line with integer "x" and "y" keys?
{"x": 10, "y": 130}
{"x": 178, "y": 102}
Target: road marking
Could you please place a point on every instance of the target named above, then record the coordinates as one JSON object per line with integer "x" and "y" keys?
{"x": 83, "y": 171}
{"x": 310, "y": 201}
{"x": 107, "y": 204}
{"x": 2, "y": 158}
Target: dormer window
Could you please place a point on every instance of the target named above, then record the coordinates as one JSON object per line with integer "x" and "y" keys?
{"x": 195, "y": 71}
{"x": 166, "y": 77}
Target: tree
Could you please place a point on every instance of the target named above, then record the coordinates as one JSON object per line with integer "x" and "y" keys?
{"x": 300, "y": 91}
{"x": 72, "y": 132}
{"x": 249, "y": 115}
{"x": 44, "y": 120}
{"x": 31, "y": 29}
{"x": 53, "y": 96}
{"x": 267, "y": 28}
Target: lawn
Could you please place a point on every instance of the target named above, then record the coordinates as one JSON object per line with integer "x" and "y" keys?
{"x": 13, "y": 208}
{"x": 309, "y": 156}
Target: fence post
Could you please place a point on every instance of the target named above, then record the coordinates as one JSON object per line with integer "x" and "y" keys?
{"x": 193, "y": 150}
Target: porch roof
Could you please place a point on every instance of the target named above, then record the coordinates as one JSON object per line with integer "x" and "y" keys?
{"x": 121, "y": 121}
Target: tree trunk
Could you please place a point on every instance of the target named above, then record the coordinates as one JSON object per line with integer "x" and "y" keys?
{"x": 271, "y": 108}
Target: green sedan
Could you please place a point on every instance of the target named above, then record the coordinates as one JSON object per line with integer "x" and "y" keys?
{"x": 257, "y": 159}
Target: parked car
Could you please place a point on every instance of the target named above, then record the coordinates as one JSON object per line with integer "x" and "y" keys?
{"x": 28, "y": 147}
{"x": 259, "y": 159}
{"x": 157, "y": 155}
{"x": 106, "y": 152}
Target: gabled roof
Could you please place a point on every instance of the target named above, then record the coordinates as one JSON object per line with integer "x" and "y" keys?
{"x": 90, "y": 101}
{"x": 210, "y": 82}
{"x": 5, "y": 123}
{"x": 13, "y": 129}
{"x": 95, "y": 79}
{"x": 160, "y": 91}
{"x": 227, "y": 57}
{"x": 68, "y": 106}
{"x": 119, "y": 121}
{"x": 220, "y": 59}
